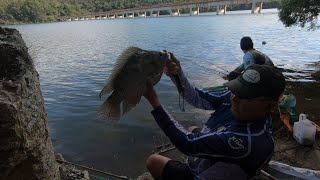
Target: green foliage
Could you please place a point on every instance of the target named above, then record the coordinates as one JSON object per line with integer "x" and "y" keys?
{"x": 37, "y": 11}
{"x": 300, "y": 13}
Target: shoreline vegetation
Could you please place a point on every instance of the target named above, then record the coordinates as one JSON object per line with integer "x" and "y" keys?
{"x": 42, "y": 11}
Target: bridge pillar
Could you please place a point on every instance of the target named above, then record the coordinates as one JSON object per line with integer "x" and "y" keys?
{"x": 170, "y": 11}
{"x": 225, "y": 9}
{"x": 175, "y": 12}
{"x": 130, "y": 15}
{"x": 198, "y": 11}
{"x": 253, "y": 7}
{"x": 260, "y": 8}
{"x": 194, "y": 12}
{"x": 143, "y": 14}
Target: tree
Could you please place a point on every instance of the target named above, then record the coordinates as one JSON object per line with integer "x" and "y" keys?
{"x": 32, "y": 11}
{"x": 300, "y": 13}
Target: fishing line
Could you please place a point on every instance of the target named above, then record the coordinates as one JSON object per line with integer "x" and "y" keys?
{"x": 179, "y": 85}
{"x": 182, "y": 108}
{"x": 221, "y": 68}
{"x": 180, "y": 90}
{"x": 235, "y": 58}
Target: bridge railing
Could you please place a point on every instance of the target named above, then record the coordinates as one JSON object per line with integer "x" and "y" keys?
{"x": 166, "y": 6}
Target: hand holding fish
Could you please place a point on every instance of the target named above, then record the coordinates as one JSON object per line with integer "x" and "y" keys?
{"x": 225, "y": 77}
{"x": 151, "y": 95}
{"x": 172, "y": 66}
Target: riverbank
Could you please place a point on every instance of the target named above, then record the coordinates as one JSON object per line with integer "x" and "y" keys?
{"x": 307, "y": 94}
{"x": 287, "y": 150}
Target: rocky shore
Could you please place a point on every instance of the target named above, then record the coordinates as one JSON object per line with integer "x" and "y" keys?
{"x": 26, "y": 150}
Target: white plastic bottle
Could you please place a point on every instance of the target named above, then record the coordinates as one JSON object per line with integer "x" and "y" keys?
{"x": 304, "y": 131}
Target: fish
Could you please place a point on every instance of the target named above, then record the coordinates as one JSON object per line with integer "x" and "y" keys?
{"x": 127, "y": 82}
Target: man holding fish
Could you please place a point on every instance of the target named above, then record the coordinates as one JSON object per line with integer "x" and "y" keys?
{"x": 238, "y": 135}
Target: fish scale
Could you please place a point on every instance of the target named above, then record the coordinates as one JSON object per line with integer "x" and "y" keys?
{"x": 127, "y": 81}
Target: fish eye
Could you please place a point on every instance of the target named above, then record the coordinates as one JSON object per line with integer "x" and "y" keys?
{"x": 160, "y": 53}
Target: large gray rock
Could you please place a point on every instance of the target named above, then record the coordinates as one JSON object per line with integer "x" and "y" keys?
{"x": 25, "y": 146}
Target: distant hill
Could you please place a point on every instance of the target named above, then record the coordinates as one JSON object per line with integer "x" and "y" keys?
{"x": 37, "y": 11}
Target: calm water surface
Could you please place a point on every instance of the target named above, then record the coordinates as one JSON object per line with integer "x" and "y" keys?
{"x": 75, "y": 58}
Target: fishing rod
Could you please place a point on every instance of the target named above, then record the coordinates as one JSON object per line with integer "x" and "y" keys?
{"x": 236, "y": 58}
{"x": 221, "y": 74}
{"x": 92, "y": 169}
{"x": 222, "y": 68}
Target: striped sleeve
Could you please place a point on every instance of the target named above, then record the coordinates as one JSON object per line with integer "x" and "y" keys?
{"x": 207, "y": 145}
{"x": 201, "y": 99}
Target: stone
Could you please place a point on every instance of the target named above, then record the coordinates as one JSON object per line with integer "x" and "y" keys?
{"x": 26, "y": 150}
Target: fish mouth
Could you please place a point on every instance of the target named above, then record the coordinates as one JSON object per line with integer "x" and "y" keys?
{"x": 165, "y": 54}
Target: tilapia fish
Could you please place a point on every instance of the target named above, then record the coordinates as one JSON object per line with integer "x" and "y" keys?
{"x": 127, "y": 81}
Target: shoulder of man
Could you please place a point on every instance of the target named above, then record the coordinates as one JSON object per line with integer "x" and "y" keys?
{"x": 259, "y": 57}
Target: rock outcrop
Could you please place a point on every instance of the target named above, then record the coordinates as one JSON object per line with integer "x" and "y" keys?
{"x": 26, "y": 150}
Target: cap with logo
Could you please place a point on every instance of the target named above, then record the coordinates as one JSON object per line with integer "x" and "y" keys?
{"x": 258, "y": 81}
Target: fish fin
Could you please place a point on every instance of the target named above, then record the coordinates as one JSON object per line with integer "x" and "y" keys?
{"x": 156, "y": 78}
{"x": 123, "y": 58}
{"x": 110, "y": 109}
{"x": 140, "y": 89}
{"x": 117, "y": 67}
{"x": 107, "y": 88}
{"x": 128, "y": 104}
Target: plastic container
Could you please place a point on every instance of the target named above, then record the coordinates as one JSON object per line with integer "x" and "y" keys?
{"x": 288, "y": 102}
{"x": 304, "y": 131}
{"x": 287, "y": 106}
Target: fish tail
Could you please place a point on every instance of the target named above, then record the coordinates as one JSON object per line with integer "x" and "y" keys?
{"x": 130, "y": 103}
{"x": 110, "y": 109}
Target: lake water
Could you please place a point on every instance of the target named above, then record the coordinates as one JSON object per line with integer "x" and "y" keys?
{"x": 74, "y": 60}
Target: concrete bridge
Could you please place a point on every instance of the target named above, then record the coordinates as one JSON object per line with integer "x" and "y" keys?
{"x": 173, "y": 9}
